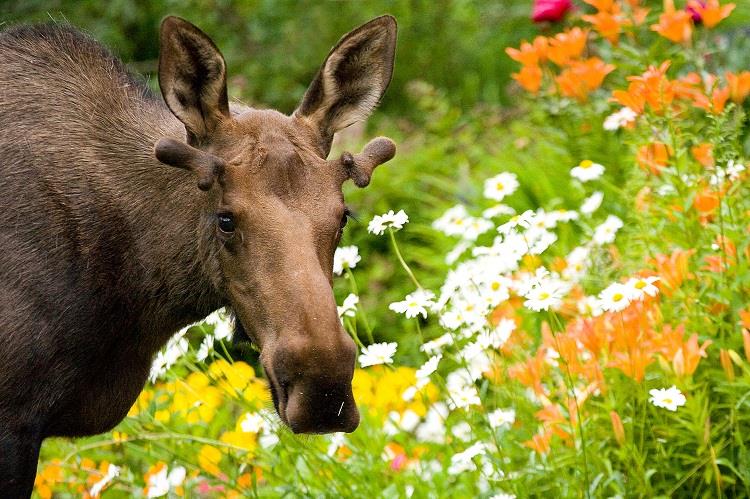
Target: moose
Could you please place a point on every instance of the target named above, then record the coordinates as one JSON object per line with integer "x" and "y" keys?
{"x": 127, "y": 217}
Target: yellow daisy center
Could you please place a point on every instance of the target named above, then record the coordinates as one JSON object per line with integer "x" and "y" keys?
{"x": 640, "y": 285}
{"x": 495, "y": 286}
{"x": 586, "y": 163}
{"x": 543, "y": 296}
{"x": 617, "y": 297}
{"x": 499, "y": 186}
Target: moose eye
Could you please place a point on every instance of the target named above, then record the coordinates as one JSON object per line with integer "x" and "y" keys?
{"x": 225, "y": 222}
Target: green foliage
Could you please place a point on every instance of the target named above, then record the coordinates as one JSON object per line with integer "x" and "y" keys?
{"x": 273, "y": 48}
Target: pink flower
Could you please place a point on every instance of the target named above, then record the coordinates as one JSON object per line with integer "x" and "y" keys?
{"x": 694, "y": 13}
{"x": 550, "y": 10}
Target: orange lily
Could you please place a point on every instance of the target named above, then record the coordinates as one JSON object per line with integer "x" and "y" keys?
{"x": 714, "y": 104}
{"x": 739, "y": 86}
{"x": 567, "y": 45}
{"x": 673, "y": 269}
{"x": 726, "y": 364}
{"x": 583, "y": 77}
{"x": 687, "y": 358}
{"x": 706, "y": 201}
{"x": 674, "y": 25}
{"x": 608, "y": 24}
{"x": 745, "y": 318}
{"x": 530, "y": 78}
{"x": 540, "y": 442}
{"x": 602, "y": 5}
{"x": 703, "y": 154}
{"x": 711, "y": 13}
{"x": 617, "y": 427}
{"x": 527, "y": 54}
{"x": 652, "y": 88}
{"x": 633, "y": 363}
{"x": 653, "y": 157}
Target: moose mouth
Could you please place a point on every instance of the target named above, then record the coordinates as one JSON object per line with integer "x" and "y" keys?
{"x": 242, "y": 339}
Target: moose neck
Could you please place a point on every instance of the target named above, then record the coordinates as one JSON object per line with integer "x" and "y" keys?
{"x": 174, "y": 274}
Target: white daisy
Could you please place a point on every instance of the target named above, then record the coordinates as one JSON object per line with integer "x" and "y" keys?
{"x": 577, "y": 262}
{"x": 453, "y": 222}
{"x": 497, "y": 337}
{"x": 345, "y": 257}
{"x": 462, "y": 396}
{"x": 437, "y": 344}
{"x": 590, "y": 306}
{"x": 501, "y": 185}
{"x": 476, "y": 227}
{"x": 640, "y": 286}
{"x": 112, "y": 472}
{"x": 160, "y": 483}
{"x": 205, "y": 348}
{"x": 498, "y": 210}
{"x": 416, "y": 303}
{"x": 252, "y": 423}
{"x": 523, "y": 220}
{"x": 463, "y": 461}
{"x": 615, "y": 297}
{"x": 544, "y": 297}
{"x": 668, "y": 398}
{"x": 592, "y": 203}
{"x": 380, "y": 223}
{"x": 619, "y": 119}
{"x": 349, "y": 307}
{"x": 429, "y": 367}
{"x": 377, "y": 353}
{"x": 587, "y": 170}
{"x": 605, "y": 233}
{"x": 501, "y": 417}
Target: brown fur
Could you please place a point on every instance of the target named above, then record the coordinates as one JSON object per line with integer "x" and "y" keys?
{"x": 106, "y": 250}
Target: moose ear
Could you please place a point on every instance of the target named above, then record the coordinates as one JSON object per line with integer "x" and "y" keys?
{"x": 193, "y": 78}
{"x": 352, "y": 79}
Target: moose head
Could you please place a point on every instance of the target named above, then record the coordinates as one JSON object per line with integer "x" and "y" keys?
{"x": 275, "y": 209}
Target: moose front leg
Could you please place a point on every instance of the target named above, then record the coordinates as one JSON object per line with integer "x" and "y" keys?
{"x": 19, "y": 453}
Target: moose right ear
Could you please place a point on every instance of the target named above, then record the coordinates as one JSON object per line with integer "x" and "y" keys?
{"x": 193, "y": 78}
{"x": 174, "y": 153}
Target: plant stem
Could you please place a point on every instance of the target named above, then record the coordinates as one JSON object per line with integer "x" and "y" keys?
{"x": 401, "y": 259}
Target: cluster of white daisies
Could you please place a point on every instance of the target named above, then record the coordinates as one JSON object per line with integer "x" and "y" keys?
{"x": 482, "y": 277}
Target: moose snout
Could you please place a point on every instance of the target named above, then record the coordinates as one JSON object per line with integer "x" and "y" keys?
{"x": 320, "y": 407}
{"x": 312, "y": 384}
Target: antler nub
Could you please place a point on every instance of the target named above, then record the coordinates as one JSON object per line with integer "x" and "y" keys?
{"x": 360, "y": 167}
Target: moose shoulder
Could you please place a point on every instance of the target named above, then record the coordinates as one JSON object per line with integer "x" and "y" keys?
{"x": 126, "y": 217}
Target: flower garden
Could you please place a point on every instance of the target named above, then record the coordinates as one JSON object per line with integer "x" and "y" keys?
{"x": 550, "y": 301}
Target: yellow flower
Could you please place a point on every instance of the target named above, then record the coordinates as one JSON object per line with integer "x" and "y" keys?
{"x": 242, "y": 439}
{"x": 197, "y": 380}
{"x": 162, "y": 416}
{"x": 141, "y": 403}
{"x": 209, "y": 458}
{"x": 256, "y": 391}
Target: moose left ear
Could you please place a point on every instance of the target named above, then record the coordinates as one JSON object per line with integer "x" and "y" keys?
{"x": 352, "y": 80}
{"x": 175, "y": 153}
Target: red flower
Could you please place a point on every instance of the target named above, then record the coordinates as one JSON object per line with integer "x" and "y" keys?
{"x": 550, "y": 10}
